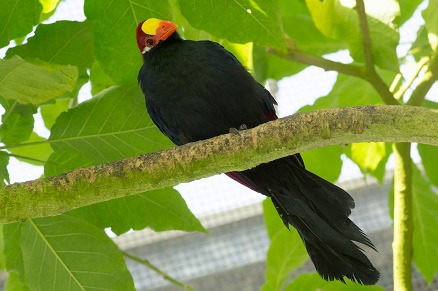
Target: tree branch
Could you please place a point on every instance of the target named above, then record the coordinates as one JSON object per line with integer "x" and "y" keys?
{"x": 403, "y": 222}
{"x": 267, "y": 142}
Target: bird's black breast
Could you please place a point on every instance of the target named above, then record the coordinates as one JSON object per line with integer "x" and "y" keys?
{"x": 196, "y": 90}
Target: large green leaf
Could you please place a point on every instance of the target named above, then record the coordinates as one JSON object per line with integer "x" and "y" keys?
{"x": 421, "y": 46}
{"x": 17, "y": 121}
{"x": 65, "y": 253}
{"x": 313, "y": 282}
{"x": 35, "y": 83}
{"x": 112, "y": 126}
{"x": 49, "y": 5}
{"x": 13, "y": 283}
{"x": 18, "y": 18}
{"x": 161, "y": 210}
{"x": 238, "y": 21}
{"x": 62, "y": 42}
{"x": 116, "y": 22}
{"x": 430, "y": 15}
{"x": 286, "y": 253}
{"x": 325, "y": 162}
{"x": 425, "y": 236}
{"x": 337, "y": 20}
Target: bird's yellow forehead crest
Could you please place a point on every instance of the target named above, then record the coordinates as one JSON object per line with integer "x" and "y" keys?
{"x": 150, "y": 26}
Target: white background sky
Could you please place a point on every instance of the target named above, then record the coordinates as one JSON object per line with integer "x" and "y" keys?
{"x": 219, "y": 192}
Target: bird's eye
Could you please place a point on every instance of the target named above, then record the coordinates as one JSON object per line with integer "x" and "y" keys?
{"x": 149, "y": 42}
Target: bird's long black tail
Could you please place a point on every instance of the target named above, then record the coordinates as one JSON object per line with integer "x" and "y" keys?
{"x": 319, "y": 211}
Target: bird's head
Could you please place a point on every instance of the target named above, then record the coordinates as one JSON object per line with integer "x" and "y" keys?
{"x": 153, "y": 31}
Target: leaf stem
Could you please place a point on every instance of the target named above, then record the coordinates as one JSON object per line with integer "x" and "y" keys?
{"x": 426, "y": 82}
{"x": 399, "y": 94}
{"x": 157, "y": 270}
{"x": 403, "y": 224}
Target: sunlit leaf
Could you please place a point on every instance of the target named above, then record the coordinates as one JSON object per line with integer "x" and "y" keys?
{"x": 13, "y": 283}
{"x": 50, "y": 112}
{"x": 429, "y": 155}
{"x": 18, "y": 18}
{"x": 329, "y": 156}
{"x": 35, "y": 83}
{"x": 65, "y": 253}
{"x": 371, "y": 157}
{"x": 49, "y": 5}
{"x": 339, "y": 20}
{"x": 407, "y": 8}
{"x": 273, "y": 221}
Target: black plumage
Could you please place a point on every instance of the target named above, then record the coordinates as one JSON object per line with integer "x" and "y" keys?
{"x": 196, "y": 90}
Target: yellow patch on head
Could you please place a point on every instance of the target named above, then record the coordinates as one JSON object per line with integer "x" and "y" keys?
{"x": 150, "y": 26}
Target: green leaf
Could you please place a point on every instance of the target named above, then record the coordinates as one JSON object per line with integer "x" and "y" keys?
{"x": 371, "y": 157}
{"x": 144, "y": 209}
{"x": 18, "y": 18}
{"x": 35, "y": 83}
{"x": 37, "y": 154}
{"x": 65, "y": 253}
{"x": 324, "y": 156}
{"x": 273, "y": 221}
{"x": 421, "y": 46}
{"x": 62, "y": 42}
{"x": 428, "y": 156}
{"x": 4, "y": 174}
{"x": 238, "y": 21}
{"x": 13, "y": 283}
{"x": 336, "y": 20}
{"x": 17, "y": 121}
{"x": 298, "y": 24}
{"x": 114, "y": 33}
{"x": 286, "y": 253}
{"x": 425, "y": 237}
{"x": 313, "y": 282}
{"x": 407, "y": 8}
{"x": 99, "y": 80}
{"x": 12, "y": 250}
{"x": 430, "y": 15}
{"x": 50, "y": 112}
{"x": 111, "y": 126}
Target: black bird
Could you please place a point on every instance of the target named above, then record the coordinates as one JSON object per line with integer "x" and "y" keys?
{"x": 196, "y": 90}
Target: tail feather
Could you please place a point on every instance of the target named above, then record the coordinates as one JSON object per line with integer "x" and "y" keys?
{"x": 319, "y": 211}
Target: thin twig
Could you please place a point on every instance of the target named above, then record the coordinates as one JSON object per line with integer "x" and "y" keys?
{"x": 160, "y": 272}
{"x": 399, "y": 94}
{"x": 365, "y": 32}
{"x": 426, "y": 82}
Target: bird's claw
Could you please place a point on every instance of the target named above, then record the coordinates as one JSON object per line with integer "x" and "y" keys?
{"x": 239, "y": 131}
